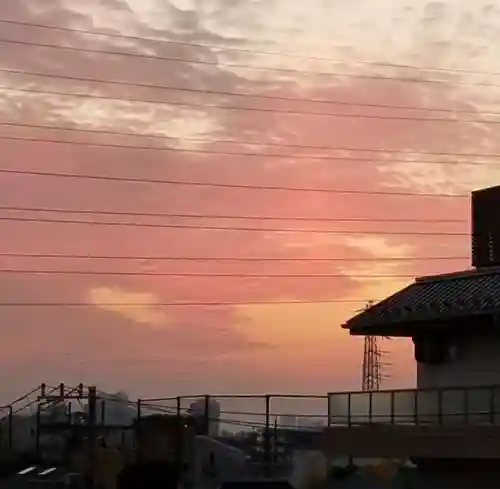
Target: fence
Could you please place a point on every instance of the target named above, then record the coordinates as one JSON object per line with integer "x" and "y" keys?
{"x": 266, "y": 425}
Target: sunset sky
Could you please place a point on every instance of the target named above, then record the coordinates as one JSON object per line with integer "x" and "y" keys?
{"x": 153, "y": 349}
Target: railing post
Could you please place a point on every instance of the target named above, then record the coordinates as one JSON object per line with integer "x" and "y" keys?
{"x": 329, "y": 410}
{"x": 393, "y": 407}
{"x": 466, "y": 405}
{"x": 10, "y": 428}
{"x": 179, "y": 456}
{"x": 440, "y": 406}
{"x": 492, "y": 405}
{"x": 267, "y": 437}
{"x": 37, "y": 432}
{"x": 103, "y": 412}
{"x": 92, "y": 435}
{"x": 138, "y": 429}
{"x": 349, "y": 404}
{"x": 370, "y": 407}
{"x": 415, "y": 407}
{"x": 206, "y": 419}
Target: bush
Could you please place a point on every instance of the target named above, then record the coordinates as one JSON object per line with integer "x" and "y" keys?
{"x": 342, "y": 472}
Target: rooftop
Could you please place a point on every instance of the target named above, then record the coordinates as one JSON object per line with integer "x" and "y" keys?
{"x": 432, "y": 300}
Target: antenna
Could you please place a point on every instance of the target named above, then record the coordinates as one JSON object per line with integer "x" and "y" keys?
{"x": 372, "y": 368}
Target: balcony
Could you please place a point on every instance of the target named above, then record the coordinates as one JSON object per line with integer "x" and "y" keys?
{"x": 427, "y": 423}
{"x": 446, "y": 406}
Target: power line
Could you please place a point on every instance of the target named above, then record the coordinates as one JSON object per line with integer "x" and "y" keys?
{"x": 226, "y": 258}
{"x": 30, "y": 271}
{"x": 236, "y": 94}
{"x": 227, "y": 216}
{"x": 232, "y": 107}
{"x": 246, "y": 67}
{"x": 232, "y": 153}
{"x": 243, "y": 50}
{"x": 228, "y": 153}
{"x": 219, "y": 185}
{"x": 186, "y": 304}
{"x": 233, "y": 228}
{"x": 25, "y": 396}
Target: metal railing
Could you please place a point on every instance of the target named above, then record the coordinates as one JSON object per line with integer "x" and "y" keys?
{"x": 444, "y": 406}
{"x": 271, "y": 416}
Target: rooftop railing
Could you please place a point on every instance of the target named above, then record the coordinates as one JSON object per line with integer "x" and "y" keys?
{"x": 450, "y": 406}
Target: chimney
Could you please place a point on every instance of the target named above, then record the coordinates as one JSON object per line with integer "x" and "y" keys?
{"x": 485, "y": 219}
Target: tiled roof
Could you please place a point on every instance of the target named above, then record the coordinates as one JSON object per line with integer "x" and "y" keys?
{"x": 435, "y": 298}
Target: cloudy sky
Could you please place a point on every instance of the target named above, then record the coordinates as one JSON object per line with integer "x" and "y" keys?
{"x": 319, "y": 89}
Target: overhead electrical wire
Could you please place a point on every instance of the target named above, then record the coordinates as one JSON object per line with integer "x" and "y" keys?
{"x": 239, "y": 49}
{"x": 217, "y": 152}
{"x": 185, "y": 303}
{"x": 256, "y": 96}
{"x": 33, "y": 271}
{"x": 13, "y": 171}
{"x": 99, "y": 212}
{"x": 23, "y": 397}
{"x": 43, "y": 91}
{"x": 152, "y": 407}
{"x": 271, "y": 144}
{"x": 210, "y": 184}
{"x": 227, "y": 258}
{"x": 218, "y": 63}
{"x": 223, "y": 152}
{"x": 32, "y": 402}
{"x": 226, "y": 106}
{"x": 232, "y": 228}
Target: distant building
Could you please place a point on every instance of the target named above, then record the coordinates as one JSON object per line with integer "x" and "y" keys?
{"x": 288, "y": 421}
{"x": 197, "y": 409}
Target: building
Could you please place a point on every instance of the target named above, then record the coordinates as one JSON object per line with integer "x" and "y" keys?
{"x": 450, "y": 424}
{"x": 206, "y": 409}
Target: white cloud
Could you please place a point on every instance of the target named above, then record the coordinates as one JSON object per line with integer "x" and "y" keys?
{"x": 139, "y": 307}
{"x": 378, "y": 246}
{"x": 448, "y": 178}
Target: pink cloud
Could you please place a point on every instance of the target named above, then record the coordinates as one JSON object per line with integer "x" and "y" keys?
{"x": 194, "y": 344}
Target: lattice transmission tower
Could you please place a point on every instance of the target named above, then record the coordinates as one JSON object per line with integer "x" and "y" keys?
{"x": 373, "y": 367}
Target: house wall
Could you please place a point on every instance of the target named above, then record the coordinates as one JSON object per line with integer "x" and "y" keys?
{"x": 408, "y": 441}
{"x": 477, "y": 364}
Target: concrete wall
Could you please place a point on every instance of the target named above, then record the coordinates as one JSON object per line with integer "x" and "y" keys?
{"x": 403, "y": 442}
{"x": 477, "y": 364}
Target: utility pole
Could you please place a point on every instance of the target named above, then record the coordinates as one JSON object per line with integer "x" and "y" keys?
{"x": 91, "y": 397}
{"x": 267, "y": 438}
{"x": 92, "y": 415}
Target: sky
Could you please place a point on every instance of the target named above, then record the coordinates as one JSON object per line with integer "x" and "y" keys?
{"x": 283, "y": 56}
